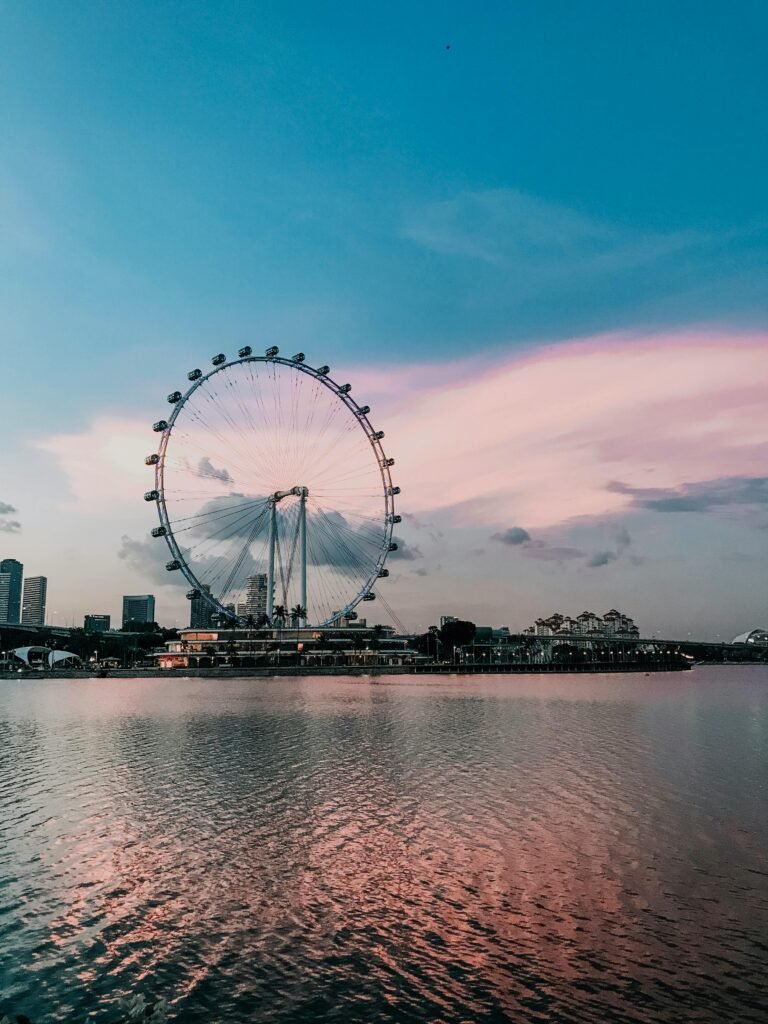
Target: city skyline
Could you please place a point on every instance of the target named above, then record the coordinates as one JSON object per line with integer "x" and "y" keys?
{"x": 561, "y": 327}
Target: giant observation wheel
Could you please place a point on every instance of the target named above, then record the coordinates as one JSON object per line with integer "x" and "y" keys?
{"x": 274, "y": 492}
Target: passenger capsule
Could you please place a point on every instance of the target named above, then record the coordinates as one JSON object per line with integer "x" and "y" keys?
{"x": 272, "y": 352}
{"x": 378, "y": 435}
{"x": 152, "y": 460}
{"x": 159, "y": 531}
{"x": 393, "y": 490}
{"x": 395, "y": 519}
{"x": 192, "y": 594}
{"x": 160, "y": 426}
{"x": 174, "y": 397}
{"x": 323, "y": 370}
{"x": 369, "y": 597}
{"x": 388, "y": 462}
{"x": 352, "y": 616}
{"x": 173, "y": 564}
{"x": 298, "y": 358}
{"x": 245, "y": 351}
{"x": 383, "y": 574}
{"x": 194, "y": 375}
{"x": 393, "y": 546}
{"x": 344, "y": 389}
{"x": 363, "y": 410}
{"x": 219, "y": 359}
{"x": 151, "y": 495}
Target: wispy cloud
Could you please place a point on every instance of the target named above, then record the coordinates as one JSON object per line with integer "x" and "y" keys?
{"x": 704, "y": 496}
{"x": 507, "y": 227}
{"x": 8, "y": 525}
{"x": 208, "y": 471}
{"x": 405, "y": 551}
{"x": 513, "y": 536}
{"x": 601, "y": 558}
{"x": 534, "y": 438}
{"x": 531, "y": 438}
{"x": 147, "y": 559}
{"x": 543, "y": 550}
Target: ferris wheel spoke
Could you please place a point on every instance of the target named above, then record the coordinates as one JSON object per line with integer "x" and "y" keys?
{"x": 244, "y": 550}
{"x": 231, "y": 530}
{"x": 236, "y": 442}
{"x": 241, "y": 505}
{"x": 344, "y": 538}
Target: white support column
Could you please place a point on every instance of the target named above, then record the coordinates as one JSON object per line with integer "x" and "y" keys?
{"x": 271, "y": 569}
{"x": 303, "y": 544}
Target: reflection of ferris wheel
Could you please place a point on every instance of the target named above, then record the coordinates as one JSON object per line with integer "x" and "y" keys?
{"x": 274, "y": 492}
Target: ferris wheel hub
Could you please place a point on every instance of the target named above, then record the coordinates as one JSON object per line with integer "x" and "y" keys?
{"x": 299, "y": 492}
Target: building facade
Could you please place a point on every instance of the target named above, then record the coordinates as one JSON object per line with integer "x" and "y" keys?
{"x": 612, "y": 624}
{"x": 200, "y": 612}
{"x": 5, "y": 594}
{"x": 33, "y": 605}
{"x": 138, "y": 609}
{"x": 255, "y": 604}
{"x": 96, "y": 623}
{"x": 11, "y": 613}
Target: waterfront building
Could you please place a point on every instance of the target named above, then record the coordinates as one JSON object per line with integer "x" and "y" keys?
{"x": 612, "y": 624}
{"x": 10, "y": 611}
{"x": 618, "y": 624}
{"x": 96, "y": 623}
{"x": 753, "y": 637}
{"x": 138, "y": 609}
{"x": 200, "y": 612}
{"x": 245, "y": 647}
{"x": 33, "y": 605}
{"x": 588, "y": 623}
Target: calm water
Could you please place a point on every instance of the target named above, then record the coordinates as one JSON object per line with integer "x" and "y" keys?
{"x": 476, "y": 849}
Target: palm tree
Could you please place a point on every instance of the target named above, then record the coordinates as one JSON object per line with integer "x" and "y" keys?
{"x": 378, "y": 633}
{"x": 298, "y": 614}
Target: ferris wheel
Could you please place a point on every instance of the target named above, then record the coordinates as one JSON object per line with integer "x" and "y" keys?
{"x": 274, "y": 492}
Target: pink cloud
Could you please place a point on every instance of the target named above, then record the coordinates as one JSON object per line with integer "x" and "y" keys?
{"x": 535, "y": 439}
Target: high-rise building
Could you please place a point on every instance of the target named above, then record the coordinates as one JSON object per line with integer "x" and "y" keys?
{"x": 33, "y": 605}
{"x": 96, "y": 623}
{"x": 11, "y": 612}
{"x": 138, "y": 609}
{"x": 5, "y": 595}
{"x": 200, "y": 612}
{"x": 256, "y": 596}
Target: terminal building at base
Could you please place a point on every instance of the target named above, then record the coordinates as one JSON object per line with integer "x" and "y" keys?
{"x": 351, "y": 643}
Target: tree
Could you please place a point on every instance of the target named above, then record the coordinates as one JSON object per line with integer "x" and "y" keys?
{"x": 457, "y": 634}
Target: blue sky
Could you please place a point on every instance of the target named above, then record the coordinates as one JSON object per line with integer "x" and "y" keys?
{"x": 180, "y": 178}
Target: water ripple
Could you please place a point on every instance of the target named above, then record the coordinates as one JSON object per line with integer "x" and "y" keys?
{"x": 521, "y": 849}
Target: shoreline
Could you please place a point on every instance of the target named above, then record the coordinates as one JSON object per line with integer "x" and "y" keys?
{"x": 272, "y": 671}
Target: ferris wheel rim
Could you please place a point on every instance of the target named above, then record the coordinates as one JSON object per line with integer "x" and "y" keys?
{"x": 361, "y": 415}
